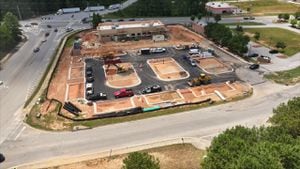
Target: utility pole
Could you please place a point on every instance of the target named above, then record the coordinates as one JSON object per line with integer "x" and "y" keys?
{"x": 18, "y": 9}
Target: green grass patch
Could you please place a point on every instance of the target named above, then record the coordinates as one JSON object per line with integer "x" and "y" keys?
{"x": 288, "y": 77}
{"x": 268, "y": 7}
{"x": 242, "y": 23}
{"x": 270, "y": 36}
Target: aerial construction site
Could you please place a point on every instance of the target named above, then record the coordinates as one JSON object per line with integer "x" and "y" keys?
{"x": 132, "y": 67}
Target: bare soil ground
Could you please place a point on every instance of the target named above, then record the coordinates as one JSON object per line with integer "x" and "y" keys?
{"x": 114, "y": 105}
{"x": 179, "y": 156}
{"x": 75, "y": 91}
{"x": 212, "y": 65}
{"x": 167, "y": 69}
{"x": 76, "y": 72}
{"x": 121, "y": 80}
{"x": 162, "y": 97}
{"x": 177, "y": 35}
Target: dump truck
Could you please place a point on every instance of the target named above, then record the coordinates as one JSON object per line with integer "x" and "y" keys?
{"x": 203, "y": 79}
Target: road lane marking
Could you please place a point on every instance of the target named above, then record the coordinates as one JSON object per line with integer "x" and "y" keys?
{"x": 21, "y": 131}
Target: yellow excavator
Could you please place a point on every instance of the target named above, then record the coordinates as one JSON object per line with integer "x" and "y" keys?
{"x": 203, "y": 79}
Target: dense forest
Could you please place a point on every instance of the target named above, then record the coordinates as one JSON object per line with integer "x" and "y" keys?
{"x": 150, "y": 8}
{"x": 31, "y": 8}
{"x": 10, "y": 34}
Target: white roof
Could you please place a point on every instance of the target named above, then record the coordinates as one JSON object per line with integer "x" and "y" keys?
{"x": 219, "y": 5}
{"x": 129, "y": 25}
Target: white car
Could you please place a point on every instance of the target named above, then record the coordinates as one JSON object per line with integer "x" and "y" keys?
{"x": 1, "y": 83}
{"x": 89, "y": 86}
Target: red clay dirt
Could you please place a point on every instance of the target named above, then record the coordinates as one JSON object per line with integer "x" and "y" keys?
{"x": 167, "y": 69}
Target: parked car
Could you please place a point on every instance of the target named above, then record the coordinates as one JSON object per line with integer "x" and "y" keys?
{"x": 89, "y": 73}
{"x": 44, "y": 40}
{"x": 35, "y": 50}
{"x": 185, "y": 57}
{"x": 123, "y": 93}
{"x": 2, "y": 158}
{"x": 1, "y": 83}
{"x": 251, "y": 18}
{"x": 89, "y": 91}
{"x": 108, "y": 20}
{"x": 49, "y": 26}
{"x": 47, "y": 34}
{"x": 131, "y": 19}
{"x": 97, "y": 96}
{"x": 120, "y": 20}
{"x": 253, "y": 55}
{"x": 273, "y": 51}
{"x": 89, "y": 86}
{"x": 254, "y": 66}
{"x": 158, "y": 50}
{"x": 90, "y": 79}
{"x": 246, "y": 18}
{"x": 55, "y": 30}
{"x": 193, "y": 62}
{"x": 151, "y": 89}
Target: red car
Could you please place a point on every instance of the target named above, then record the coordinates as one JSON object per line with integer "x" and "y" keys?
{"x": 123, "y": 93}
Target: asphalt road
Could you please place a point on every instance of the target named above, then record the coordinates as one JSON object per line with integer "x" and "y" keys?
{"x": 34, "y": 145}
{"x": 24, "y": 144}
{"x": 21, "y": 73}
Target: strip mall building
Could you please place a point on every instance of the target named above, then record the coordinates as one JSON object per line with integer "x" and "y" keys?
{"x": 131, "y": 30}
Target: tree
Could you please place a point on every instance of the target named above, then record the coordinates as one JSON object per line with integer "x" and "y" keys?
{"x": 280, "y": 45}
{"x": 139, "y": 160}
{"x": 294, "y": 22}
{"x": 193, "y": 17}
{"x": 97, "y": 18}
{"x": 286, "y": 16}
{"x": 257, "y": 36}
{"x": 12, "y": 23}
{"x": 287, "y": 115}
{"x": 217, "y": 18}
{"x": 199, "y": 16}
{"x": 280, "y": 16}
{"x": 239, "y": 28}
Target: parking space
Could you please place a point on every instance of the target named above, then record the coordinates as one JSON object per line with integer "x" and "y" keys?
{"x": 146, "y": 74}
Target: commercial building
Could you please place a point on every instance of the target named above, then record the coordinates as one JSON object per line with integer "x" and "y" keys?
{"x": 221, "y": 8}
{"x": 131, "y": 30}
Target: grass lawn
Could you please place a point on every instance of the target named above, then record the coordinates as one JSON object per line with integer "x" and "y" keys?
{"x": 286, "y": 77}
{"x": 270, "y": 36}
{"x": 178, "y": 156}
{"x": 268, "y": 7}
{"x": 242, "y": 23}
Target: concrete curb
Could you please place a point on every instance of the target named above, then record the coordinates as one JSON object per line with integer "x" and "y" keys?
{"x": 198, "y": 142}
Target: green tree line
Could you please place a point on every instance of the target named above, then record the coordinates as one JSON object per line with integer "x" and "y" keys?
{"x": 222, "y": 35}
{"x": 274, "y": 147}
{"x": 151, "y": 8}
{"x": 9, "y": 33}
{"x": 32, "y": 8}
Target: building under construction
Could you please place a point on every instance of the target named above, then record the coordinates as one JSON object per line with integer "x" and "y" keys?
{"x": 132, "y": 30}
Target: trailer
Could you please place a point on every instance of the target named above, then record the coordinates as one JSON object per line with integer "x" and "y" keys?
{"x": 114, "y": 6}
{"x": 68, "y": 10}
{"x": 94, "y": 8}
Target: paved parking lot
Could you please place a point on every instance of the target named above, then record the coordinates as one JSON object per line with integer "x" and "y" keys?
{"x": 146, "y": 74}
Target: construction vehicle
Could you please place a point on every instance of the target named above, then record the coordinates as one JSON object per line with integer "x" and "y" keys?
{"x": 202, "y": 80}
{"x": 110, "y": 59}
